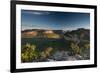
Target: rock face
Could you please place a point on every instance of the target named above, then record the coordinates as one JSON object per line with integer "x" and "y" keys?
{"x": 78, "y": 35}
{"x": 60, "y": 55}
{"x": 71, "y": 58}
{"x": 64, "y": 56}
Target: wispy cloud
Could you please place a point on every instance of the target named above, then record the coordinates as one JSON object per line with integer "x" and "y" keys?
{"x": 35, "y": 27}
{"x": 36, "y": 12}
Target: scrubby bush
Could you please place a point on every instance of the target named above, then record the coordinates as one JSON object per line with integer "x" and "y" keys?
{"x": 29, "y": 53}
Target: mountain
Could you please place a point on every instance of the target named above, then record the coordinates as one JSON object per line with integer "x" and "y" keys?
{"x": 79, "y": 34}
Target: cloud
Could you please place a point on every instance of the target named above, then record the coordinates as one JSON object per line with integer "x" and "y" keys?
{"x": 36, "y": 12}
{"x": 25, "y": 27}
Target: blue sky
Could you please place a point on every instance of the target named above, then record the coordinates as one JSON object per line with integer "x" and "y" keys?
{"x": 31, "y": 19}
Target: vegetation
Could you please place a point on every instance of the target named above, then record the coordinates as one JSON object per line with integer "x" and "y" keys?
{"x": 75, "y": 48}
{"x": 29, "y": 53}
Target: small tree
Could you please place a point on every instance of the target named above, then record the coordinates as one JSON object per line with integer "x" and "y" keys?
{"x": 75, "y": 48}
{"x": 28, "y": 53}
{"x": 46, "y": 53}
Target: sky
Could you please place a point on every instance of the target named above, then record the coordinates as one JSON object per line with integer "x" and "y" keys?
{"x": 32, "y": 19}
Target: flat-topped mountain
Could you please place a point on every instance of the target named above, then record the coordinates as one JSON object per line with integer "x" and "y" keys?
{"x": 39, "y": 33}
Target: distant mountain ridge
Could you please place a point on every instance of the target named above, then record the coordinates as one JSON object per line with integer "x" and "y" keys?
{"x": 80, "y": 33}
